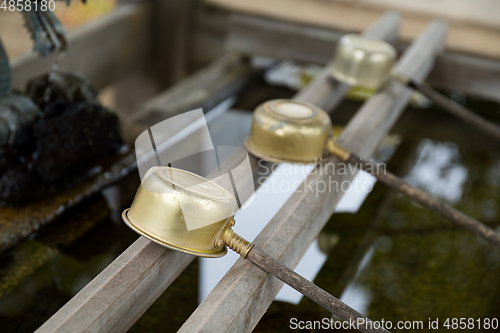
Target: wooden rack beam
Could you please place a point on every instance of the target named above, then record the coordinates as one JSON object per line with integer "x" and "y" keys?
{"x": 472, "y": 74}
{"x": 243, "y": 295}
{"x": 205, "y": 89}
{"x": 118, "y": 296}
{"x": 474, "y": 30}
{"x": 123, "y": 291}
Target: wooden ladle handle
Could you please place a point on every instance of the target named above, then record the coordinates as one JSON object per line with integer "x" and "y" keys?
{"x": 456, "y": 109}
{"x": 311, "y": 291}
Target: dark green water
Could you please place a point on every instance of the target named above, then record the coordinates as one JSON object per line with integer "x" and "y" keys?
{"x": 397, "y": 261}
{"x": 401, "y": 262}
{"x": 394, "y": 259}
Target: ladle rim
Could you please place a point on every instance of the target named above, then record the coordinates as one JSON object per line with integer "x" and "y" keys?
{"x": 199, "y": 253}
{"x": 272, "y": 107}
{"x": 257, "y": 153}
{"x": 352, "y": 79}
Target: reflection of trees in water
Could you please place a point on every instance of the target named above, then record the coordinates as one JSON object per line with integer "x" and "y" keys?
{"x": 414, "y": 264}
{"x": 438, "y": 170}
{"x": 435, "y": 269}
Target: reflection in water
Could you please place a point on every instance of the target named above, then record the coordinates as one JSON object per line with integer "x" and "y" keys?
{"x": 436, "y": 269}
{"x": 250, "y": 222}
{"x": 395, "y": 260}
{"x": 355, "y": 295}
{"x": 437, "y": 170}
{"x": 433, "y": 275}
{"x": 282, "y": 181}
{"x": 41, "y": 275}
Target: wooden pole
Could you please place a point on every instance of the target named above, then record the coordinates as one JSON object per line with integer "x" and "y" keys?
{"x": 427, "y": 200}
{"x": 456, "y": 109}
{"x": 312, "y": 291}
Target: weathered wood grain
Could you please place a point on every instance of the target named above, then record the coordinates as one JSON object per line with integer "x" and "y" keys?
{"x": 121, "y": 293}
{"x": 280, "y": 39}
{"x": 205, "y": 89}
{"x": 170, "y": 33}
{"x": 471, "y": 74}
{"x": 112, "y": 302}
{"x": 244, "y": 294}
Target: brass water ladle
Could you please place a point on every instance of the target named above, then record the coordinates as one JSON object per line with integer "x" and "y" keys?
{"x": 369, "y": 62}
{"x": 298, "y": 132}
{"x": 188, "y": 213}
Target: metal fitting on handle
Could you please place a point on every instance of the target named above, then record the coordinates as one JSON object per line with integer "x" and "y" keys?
{"x": 338, "y": 151}
{"x": 235, "y": 242}
{"x": 400, "y": 77}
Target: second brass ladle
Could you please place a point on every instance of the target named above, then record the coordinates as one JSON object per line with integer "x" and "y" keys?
{"x": 369, "y": 62}
{"x": 188, "y": 213}
{"x": 280, "y": 133}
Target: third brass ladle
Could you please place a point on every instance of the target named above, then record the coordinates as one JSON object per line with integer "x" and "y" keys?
{"x": 298, "y": 132}
{"x": 188, "y": 213}
{"x": 369, "y": 62}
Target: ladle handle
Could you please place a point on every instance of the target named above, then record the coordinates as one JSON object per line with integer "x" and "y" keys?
{"x": 456, "y": 109}
{"x": 427, "y": 200}
{"x": 311, "y": 291}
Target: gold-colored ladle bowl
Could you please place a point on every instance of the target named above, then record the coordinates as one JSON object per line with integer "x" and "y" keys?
{"x": 297, "y": 132}
{"x": 286, "y": 130}
{"x": 188, "y": 213}
{"x": 380, "y": 173}
{"x": 182, "y": 211}
{"x": 369, "y": 62}
{"x": 363, "y": 61}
